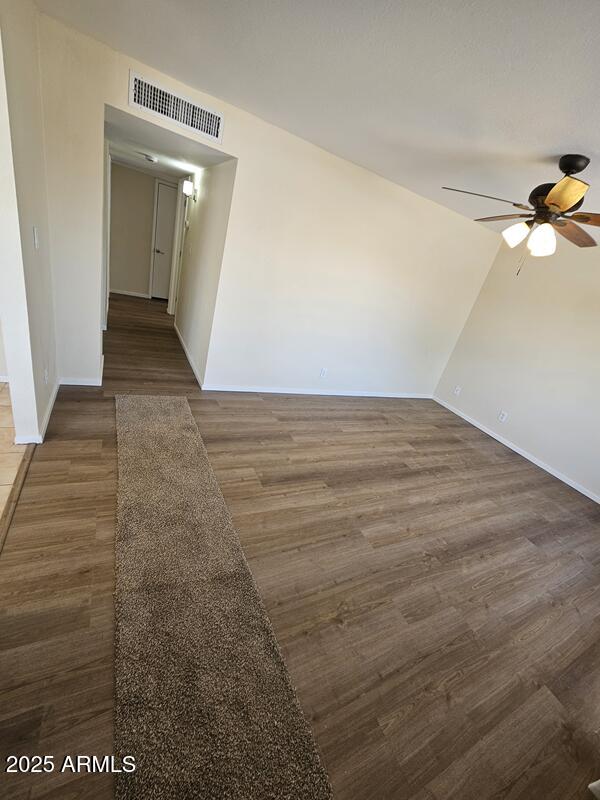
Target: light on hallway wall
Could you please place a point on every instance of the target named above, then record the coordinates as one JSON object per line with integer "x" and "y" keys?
{"x": 542, "y": 241}
{"x": 516, "y": 233}
{"x": 188, "y": 188}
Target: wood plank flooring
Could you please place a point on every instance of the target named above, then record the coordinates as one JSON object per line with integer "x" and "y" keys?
{"x": 436, "y": 597}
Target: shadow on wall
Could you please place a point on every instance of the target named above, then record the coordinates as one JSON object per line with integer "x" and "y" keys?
{"x": 3, "y": 370}
{"x": 203, "y": 248}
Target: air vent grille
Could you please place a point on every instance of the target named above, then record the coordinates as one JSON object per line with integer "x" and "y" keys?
{"x": 151, "y": 97}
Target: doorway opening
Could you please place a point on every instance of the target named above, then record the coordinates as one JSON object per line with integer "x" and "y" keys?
{"x": 167, "y": 199}
{"x": 151, "y": 176}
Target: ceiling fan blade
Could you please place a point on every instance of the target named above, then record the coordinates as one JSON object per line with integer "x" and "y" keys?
{"x": 505, "y": 216}
{"x": 574, "y": 233}
{"x": 585, "y": 219}
{"x": 566, "y": 193}
{"x": 489, "y": 197}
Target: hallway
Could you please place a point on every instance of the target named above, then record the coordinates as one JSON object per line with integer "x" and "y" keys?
{"x": 416, "y": 573}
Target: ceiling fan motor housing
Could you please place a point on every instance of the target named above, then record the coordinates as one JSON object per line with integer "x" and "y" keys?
{"x": 538, "y": 195}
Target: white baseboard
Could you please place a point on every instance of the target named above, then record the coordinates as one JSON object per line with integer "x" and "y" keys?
{"x": 48, "y": 413}
{"x": 35, "y": 438}
{"x": 512, "y": 446}
{"x": 219, "y": 387}
{"x": 38, "y": 438}
{"x": 81, "y": 381}
{"x": 97, "y": 381}
{"x": 222, "y": 387}
{"x": 595, "y": 788}
{"x": 130, "y": 294}
{"x": 188, "y": 355}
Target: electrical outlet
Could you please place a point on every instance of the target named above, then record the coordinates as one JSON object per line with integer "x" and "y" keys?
{"x": 457, "y": 390}
{"x": 323, "y": 373}
{"x": 46, "y": 376}
{"x": 36, "y": 238}
{"x": 503, "y": 416}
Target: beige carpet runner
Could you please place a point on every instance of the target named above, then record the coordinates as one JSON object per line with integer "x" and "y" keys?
{"x": 203, "y": 698}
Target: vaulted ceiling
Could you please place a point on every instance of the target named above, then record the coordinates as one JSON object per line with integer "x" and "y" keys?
{"x": 470, "y": 93}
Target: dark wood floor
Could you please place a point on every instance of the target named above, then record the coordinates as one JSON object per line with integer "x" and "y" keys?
{"x": 437, "y": 598}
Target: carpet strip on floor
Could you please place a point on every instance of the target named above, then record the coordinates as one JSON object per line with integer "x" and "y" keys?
{"x": 204, "y": 701}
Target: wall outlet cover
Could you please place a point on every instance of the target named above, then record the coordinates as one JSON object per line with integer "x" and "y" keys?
{"x": 323, "y": 373}
{"x": 503, "y": 416}
{"x": 457, "y": 390}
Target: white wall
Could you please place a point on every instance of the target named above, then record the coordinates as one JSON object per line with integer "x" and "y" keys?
{"x": 13, "y": 299}
{"x": 3, "y": 370}
{"x": 201, "y": 261}
{"x": 531, "y": 347}
{"x": 328, "y": 265}
{"x": 325, "y": 263}
{"x": 131, "y": 219}
{"x": 77, "y": 75}
{"x": 27, "y": 311}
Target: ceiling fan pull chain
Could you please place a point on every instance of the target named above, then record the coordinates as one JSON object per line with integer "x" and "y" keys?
{"x": 520, "y": 264}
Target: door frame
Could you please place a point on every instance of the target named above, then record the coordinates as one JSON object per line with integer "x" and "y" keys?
{"x": 106, "y": 235}
{"x": 178, "y": 245}
{"x": 173, "y": 185}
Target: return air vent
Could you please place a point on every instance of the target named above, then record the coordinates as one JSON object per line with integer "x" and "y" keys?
{"x": 149, "y": 96}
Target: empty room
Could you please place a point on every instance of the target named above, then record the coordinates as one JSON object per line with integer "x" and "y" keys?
{"x": 299, "y": 420}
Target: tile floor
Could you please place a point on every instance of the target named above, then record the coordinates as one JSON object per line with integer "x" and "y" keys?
{"x": 10, "y": 453}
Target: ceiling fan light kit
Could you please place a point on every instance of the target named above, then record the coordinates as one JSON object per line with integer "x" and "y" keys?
{"x": 514, "y": 234}
{"x": 542, "y": 241}
{"x": 552, "y": 210}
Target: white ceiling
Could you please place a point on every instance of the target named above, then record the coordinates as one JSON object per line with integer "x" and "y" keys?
{"x": 176, "y": 156}
{"x": 479, "y": 94}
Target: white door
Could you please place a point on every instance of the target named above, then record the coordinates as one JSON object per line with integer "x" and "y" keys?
{"x": 164, "y": 228}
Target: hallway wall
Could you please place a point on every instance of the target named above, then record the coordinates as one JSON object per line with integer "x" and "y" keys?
{"x": 27, "y": 290}
{"x": 204, "y": 243}
{"x": 131, "y": 218}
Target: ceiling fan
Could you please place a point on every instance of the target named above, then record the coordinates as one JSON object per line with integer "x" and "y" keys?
{"x": 553, "y": 207}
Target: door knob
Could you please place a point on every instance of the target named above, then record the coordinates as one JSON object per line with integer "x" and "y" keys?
{"x": 156, "y": 250}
